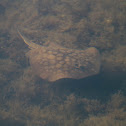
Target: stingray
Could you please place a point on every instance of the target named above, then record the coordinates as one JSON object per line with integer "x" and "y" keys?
{"x": 54, "y": 62}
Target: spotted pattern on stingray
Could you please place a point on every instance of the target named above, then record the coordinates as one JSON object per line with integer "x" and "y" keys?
{"x": 55, "y": 62}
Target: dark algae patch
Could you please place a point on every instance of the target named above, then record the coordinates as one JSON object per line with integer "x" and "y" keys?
{"x": 27, "y": 99}
{"x": 2, "y": 9}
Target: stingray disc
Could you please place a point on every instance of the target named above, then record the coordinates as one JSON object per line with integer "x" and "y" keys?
{"x": 55, "y": 62}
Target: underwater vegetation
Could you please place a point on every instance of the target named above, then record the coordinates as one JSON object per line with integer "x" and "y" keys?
{"x": 26, "y": 99}
{"x": 72, "y": 110}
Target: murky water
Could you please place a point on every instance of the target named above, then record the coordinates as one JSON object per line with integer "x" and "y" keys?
{"x": 28, "y": 100}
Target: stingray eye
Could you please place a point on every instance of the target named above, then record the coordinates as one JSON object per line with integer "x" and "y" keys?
{"x": 82, "y": 68}
{"x": 77, "y": 66}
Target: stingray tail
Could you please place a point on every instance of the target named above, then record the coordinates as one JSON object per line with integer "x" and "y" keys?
{"x": 31, "y": 44}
